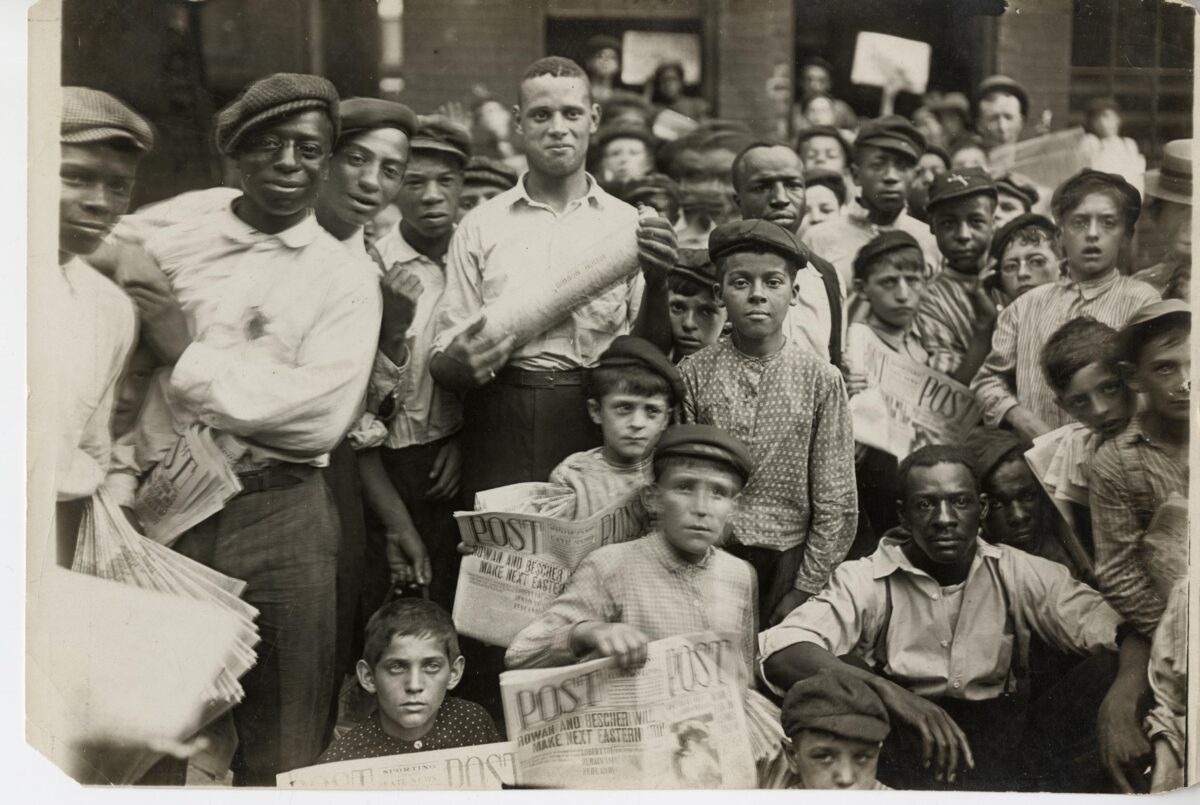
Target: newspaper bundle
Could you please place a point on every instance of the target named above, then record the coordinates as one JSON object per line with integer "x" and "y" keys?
{"x": 909, "y": 405}
{"x": 485, "y": 767}
{"x": 676, "y": 722}
{"x": 1048, "y": 159}
{"x": 523, "y": 560}
{"x": 194, "y": 481}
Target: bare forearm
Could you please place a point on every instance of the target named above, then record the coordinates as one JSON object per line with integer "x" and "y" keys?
{"x": 801, "y": 660}
{"x": 1133, "y": 662}
{"x": 977, "y": 352}
{"x": 381, "y": 496}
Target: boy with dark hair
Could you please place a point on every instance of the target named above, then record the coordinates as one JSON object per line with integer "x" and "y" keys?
{"x": 1026, "y": 254}
{"x": 1082, "y": 367}
{"x": 697, "y": 317}
{"x": 1095, "y": 215}
{"x": 410, "y": 660}
{"x": 799, "y": 508}
{"x": 1145, "y": 468}
{"x": 1017, "y": 195}
{"x": 824, "y": 147}
{"x": 631, "y": 393}
{"x": 824, "y": 196}
{"x": 483, "y": 179}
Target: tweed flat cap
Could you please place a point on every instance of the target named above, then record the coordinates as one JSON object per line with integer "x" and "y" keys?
{"x": 273, "y": 97}
{"x": 960, "y": 183}
{"x": 836, "y": 703}
{"x": 883, "y": 243}
{"x": 92, "y": 116}
{"x": 695, "y": 265}
{"x": 1017, "y": 185}
{"x": 490, "y": 172}
{"x": 362, "y": 114}
{"x": 629, "y": 350}
{"x": 1005, "y": 233}
{"x": 438, "y": 134}
{"x": 755, "y": 234}
{"x": 892, "y": 133}
{"x": 708, "y": 443}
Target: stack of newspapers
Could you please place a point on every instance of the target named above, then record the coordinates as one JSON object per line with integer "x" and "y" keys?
{"x": 190, "y": 484}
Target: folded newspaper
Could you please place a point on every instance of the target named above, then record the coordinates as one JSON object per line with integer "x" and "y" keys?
{"x": 190, "y": 484}
{"x": 522, "y": 560}
{"x": 676, "y": 722}
{"x": 485, "y": 767}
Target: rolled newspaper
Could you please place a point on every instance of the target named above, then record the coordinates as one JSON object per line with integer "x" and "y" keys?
{"x": 611, "y": 256}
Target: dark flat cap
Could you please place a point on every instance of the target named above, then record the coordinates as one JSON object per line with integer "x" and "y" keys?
{"x": 826, "y": 177}
{"x": 1002, "y": 83}
{"x": 1144, "y": 321}
{"x": 438, "y": 134}
{"x": 629, "y": 350}
{"x": 755, "y": 234}
{"x": 644, "y": 186}
{"x": 278, "y": 95}
{"x": 892, "y": 133}
{"x": 696, "y": 266}
{"x": 362, "y": 114}
{"x": 960, "y": 183}
{"x": 1132, "y": 197}
{"x": 883, "y": 243}
{"x": 599, "y": 42}
{"x": 986, "y": 447}
{"x": 837, "y": 703}
{"x": 1005, "y": 233}
{"x": 1020, "y": 186}
{"x": 708, "y": 443}
{"x": 615, "y": 131}
{"x": 92, "y": 116}
{"x": 490, "y": 172}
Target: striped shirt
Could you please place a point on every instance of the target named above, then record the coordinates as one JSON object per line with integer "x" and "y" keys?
{"x": 597, "y": 482}
{"x": 790, "y": 409}
{"x": 1131, "y": 478}
{"x": 645, "y": 584}
{"x": 1012, "y": 373}
{"x": 1168, "y": 673}
{"x": 946, "y": 319}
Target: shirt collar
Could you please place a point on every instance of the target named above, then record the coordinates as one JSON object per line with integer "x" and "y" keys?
{"x": 669, "y": 559}
{"x": 889, "y": 557}
{"x": 1090, "y": 289}
{"x": 295, "y": 237}
{"x": 595, "y": 195}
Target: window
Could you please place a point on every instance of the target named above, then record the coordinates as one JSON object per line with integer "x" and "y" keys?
{"x": 391, "y": 46}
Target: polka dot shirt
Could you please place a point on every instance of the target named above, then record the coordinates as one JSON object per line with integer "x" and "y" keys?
{"x": 458, "y": 723}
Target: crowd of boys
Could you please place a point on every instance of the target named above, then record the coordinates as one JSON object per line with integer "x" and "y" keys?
{"x": 942, "y": 621}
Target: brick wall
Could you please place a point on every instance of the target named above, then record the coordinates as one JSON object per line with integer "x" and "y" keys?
{"x": 1033, "y": 45}
{"x": 753, "y": 36}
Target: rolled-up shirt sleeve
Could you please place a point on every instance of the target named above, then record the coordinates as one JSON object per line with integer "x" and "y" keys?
{"x": 546, "y": 642}
{"x": 994, "y": 383}
{"x": 1168, "y": 674}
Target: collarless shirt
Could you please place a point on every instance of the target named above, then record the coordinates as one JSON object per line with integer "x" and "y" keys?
{"x": 458, "y": 723}
{"x": 839, "y": 239}
{"x": 1012, "y": 373}
{"x": 511, "y": 240}
{"x": 916, "y": 643}
{"x": 790, "y": 409}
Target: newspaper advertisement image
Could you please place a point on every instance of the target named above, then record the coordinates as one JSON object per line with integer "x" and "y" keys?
{"x": 676, "y": 722}
{"x": 522, "y": 561}
{"x": 909, "y": 405}
{"x": 485, "y": 767}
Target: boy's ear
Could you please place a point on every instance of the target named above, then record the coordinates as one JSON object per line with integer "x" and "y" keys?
{"x": 456, "y": 671}
{"x": 716, "y": 292}
{"x": 795, "y": 300}
{"x": 366, "y": 677}
{"x": 858, "y": 285}
{"x": 516, "y": 116}
{"x": 593, "y": 409}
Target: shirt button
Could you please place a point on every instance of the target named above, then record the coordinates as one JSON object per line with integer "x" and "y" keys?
{"x": 419, "y": 744}
{"x": 945, "y": 643}
{"x": 936, "y": 596}
{"x": 958, "y": 684}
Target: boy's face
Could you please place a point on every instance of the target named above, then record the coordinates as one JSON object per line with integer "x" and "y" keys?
{"x": 1164, "y": 374}
{"x": 284, "y": 163}
{"x": 1025, "y": 266}
{"x": 1107, "y": 123}
{"x": 364, "y": 175}
{"x": 97, "y": 181}
{"x": 823, "y": 151}
{"x": 428, "y": 197}
{"x": 1008, "y": 207}
{"x": 826, "y": 761}
{"x": 970, "y": 157}
{"x": 410, "y": 682}
{"x": 1018, "y": 511}
{"x": 963, "y": 228}
{"x": 821, "y": 204}
{"x": 756, "y": 289}
{"x": 1092, "y": 235}
{"x": 696, "y": 321}
{"x": 884, "y": 177}
{"x": 693, "y": 501}
{"x": 631, "y": 424}
{"x": 929, "y": 167}
{"x": 475, "y": 194}
{"x": 1098, "y": 398}
{"x": 132, "y": 389}
{"x": 894, "y": 287}
{"x": 625, "y": 158}
{"x": 770, "y": 185}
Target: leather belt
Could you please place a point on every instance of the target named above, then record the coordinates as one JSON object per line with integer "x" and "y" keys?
{"x": 269, "y": 478}
{"x": 541, "y": 380}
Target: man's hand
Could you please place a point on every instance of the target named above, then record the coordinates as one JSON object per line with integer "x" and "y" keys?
{"x": 790, "y": 600}
{"x": 401, "y": 290}
{"x": 479, "y": 355}
{"x": 447, "y": 466}
{"x": 1122, "y": 741}
{"x": 657, "y": 249}
{"x": 982, "y": 305}
{"x": 163, "y": 324}
{"x": 407, "y": 557}
{"x": 1026, "y": 424}
{"x": 943, "y": 743}
{"x": 620, "y": 640}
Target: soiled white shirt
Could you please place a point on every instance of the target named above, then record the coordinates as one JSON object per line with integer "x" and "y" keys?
{"x": 101, "y": 322}
{"x": 284, "y": 331}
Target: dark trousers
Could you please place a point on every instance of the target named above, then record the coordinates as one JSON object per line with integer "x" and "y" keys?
{"x": 283, "y": 543}
{"x": 343, "y": 480}
{"x": 776, "y": 571}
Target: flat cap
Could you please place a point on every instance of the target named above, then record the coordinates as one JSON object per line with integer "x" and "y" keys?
{"x": 883, "y": 243}
{"x": 695, "y": 265}
{"x": 939, "y": 152}
{"x": 629, "y": 350}
{"x": 645, "y": 186}
{"x": 362, "y": 114}
{"x": 438, "y": 134}
{"x": 1002, "y": 83}
{"x": 892, "y": 133}
{"x": 490, "y": 172}
{"x": 960, "y": 183}
{"x": 708, "y": 443}
{"x": 92, "y": 116}
{"x": 755, "y": 234}
{"x": 1145, "y": 321}
{"x": 278, "y": 95}
{"x": 1088, "y": 175}
{"x": 1020, "y": 186}
{"x": 615, "y": 131}
{"x": 986, "y": 447}
{"x": 837, "y": 703}
{"x": 1005, "y": 233}
{"x": 599, "y": 42}
{"x": 827, "y": 177}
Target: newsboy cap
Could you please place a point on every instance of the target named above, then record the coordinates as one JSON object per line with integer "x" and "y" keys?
{"x": 629, "y": 350}
{"x": 987, "y": 447}
{"x": 883, "y": 243}
{"x": 1020, "y": 186}
{"x": 892, "y": 133}
{"x": 696, "y": 266}
{"x": 438, "y": 134}
{"x": 92, "y": 116}
{"x": 278, "y": 95}
{"x": 362, "y": 114}
{"x": 960, "y": 183}
{"x": 489, "y": 172}
{"x": 836, "y": 703}
{"x": 708, "y": 443}
{"x": 755, "y": 234}
{"x": 1005, "y": 233}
